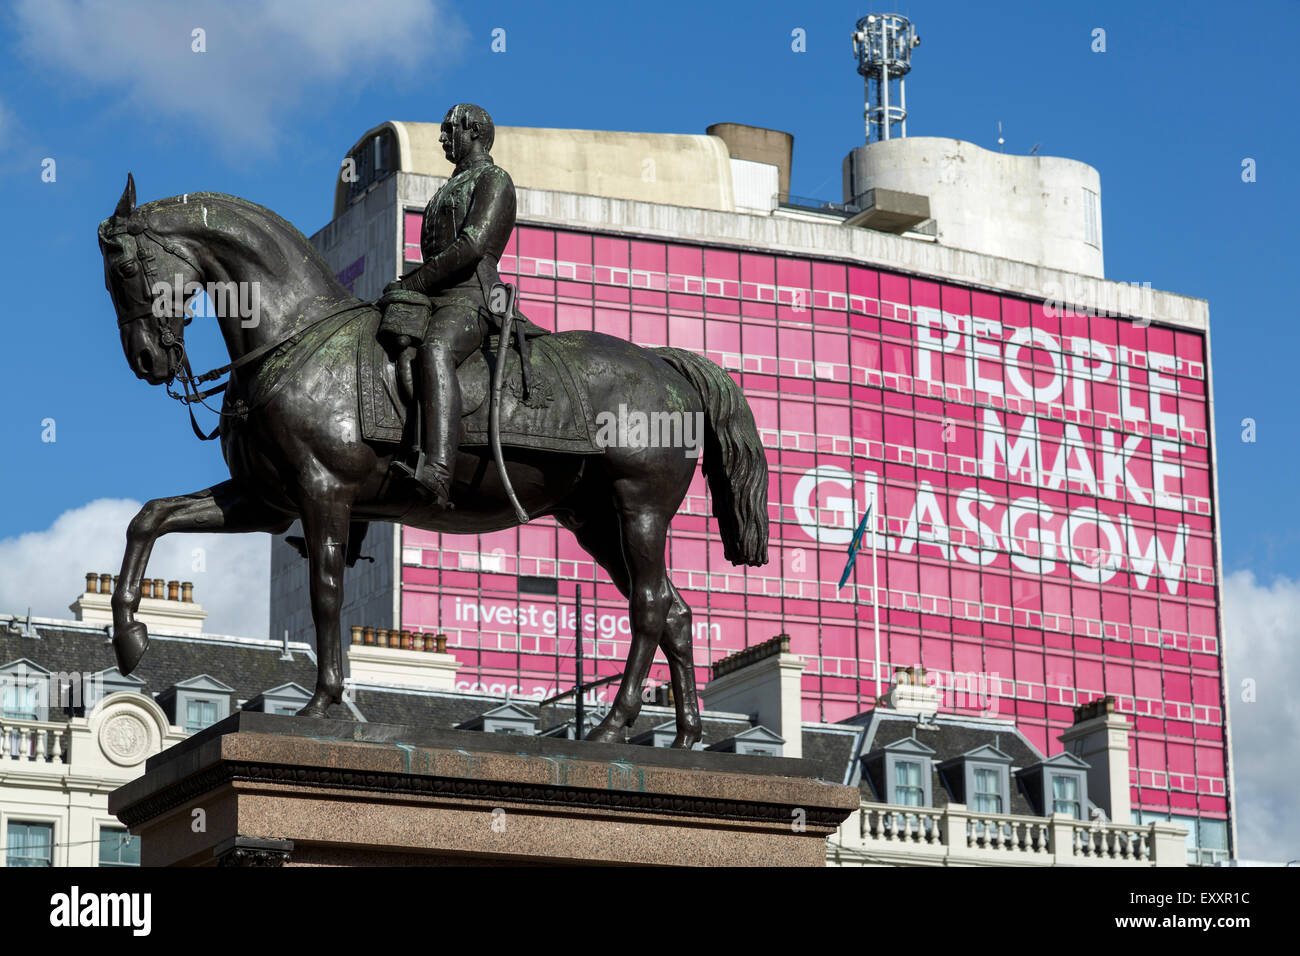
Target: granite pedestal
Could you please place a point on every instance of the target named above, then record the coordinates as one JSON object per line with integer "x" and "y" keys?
{"x": 259, "y": 789}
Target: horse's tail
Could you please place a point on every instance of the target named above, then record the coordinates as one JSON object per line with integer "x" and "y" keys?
{"x": 734, "y": 460}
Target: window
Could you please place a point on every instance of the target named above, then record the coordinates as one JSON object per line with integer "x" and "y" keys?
{"x": 506, "y": 729}
{"x": 900, "y": 773}
{"x": 1065, "y": 796}
{"x": 30, "y": 844}
{"x": 372, "y": 161}
{"x": 21, "y": 702}
{"x": 199, "y": 714}
{"x": 1214, "y": 841}
{"x": 988, "y": 790}
{"x": 117, "y": 847}
{"x": 908, "y": 791}
{"x": 1091, "y": 228}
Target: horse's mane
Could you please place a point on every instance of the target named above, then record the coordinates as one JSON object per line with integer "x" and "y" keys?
{"x": 260, "y": 216}
{"x": 237, "y": 201}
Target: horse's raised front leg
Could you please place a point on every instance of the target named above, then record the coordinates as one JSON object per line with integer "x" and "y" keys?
{"x": 222, "y": 508}
{"x": 326, "y": 515}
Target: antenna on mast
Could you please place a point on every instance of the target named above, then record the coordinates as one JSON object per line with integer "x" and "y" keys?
{"x": 883, "y": 44}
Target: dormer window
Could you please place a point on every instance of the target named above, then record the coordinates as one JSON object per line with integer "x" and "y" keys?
{"x": 287, "y": 699}
{"x": 197, "y": 703}
{"x": 980, "y": 778}
{"x": 24, "y": 691}
{"x": 1057, "y": 785}
{"x": 110, "y": 681}
{"x": 660, "y": 736}
{"x": 754, "y": 742}
{"x": 506, "y": 719}
{"x": 900, "y": 773}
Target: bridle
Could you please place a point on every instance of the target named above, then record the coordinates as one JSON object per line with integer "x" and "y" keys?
{"x": 178, "y": 362}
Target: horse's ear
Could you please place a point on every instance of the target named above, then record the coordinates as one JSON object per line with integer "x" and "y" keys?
{"x": 127, "y": 203}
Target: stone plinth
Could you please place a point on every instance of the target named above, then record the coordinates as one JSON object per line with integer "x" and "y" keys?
{"x": 281, "y": 790}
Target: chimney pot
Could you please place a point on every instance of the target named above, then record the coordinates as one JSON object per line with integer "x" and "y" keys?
{"x": 187, "y": 592}
{"x": 1096, "y": 708}
{"x": 356, "y": 633}
{"x": 173, "y": 590}
{"x": 159, "y": 588}
{"x": 146, "y": 587}
{"x": 417, "y": 641}
{"x": 92, "y": 582}
{"x": 105, "y": 583}
{"x": 368, "y": 635}
{"x": 440, "y": 643}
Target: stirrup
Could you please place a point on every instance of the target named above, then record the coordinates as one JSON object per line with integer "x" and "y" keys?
{"x": 435, "y": 491}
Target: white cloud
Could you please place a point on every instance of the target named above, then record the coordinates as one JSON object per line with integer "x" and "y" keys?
{"x": 1263, "y": 645}
{"x": 263, "y": 57}
{"x": 46, "y": 570}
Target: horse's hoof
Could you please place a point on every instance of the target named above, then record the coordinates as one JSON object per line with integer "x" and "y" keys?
{"x": 685, "y": 741}
{"x": 318, "y": 706}
{"x": 129, "y": 645}
{"x": 603, "y": 733}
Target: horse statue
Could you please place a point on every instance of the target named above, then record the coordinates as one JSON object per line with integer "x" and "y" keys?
{"x": 294, "y": 435}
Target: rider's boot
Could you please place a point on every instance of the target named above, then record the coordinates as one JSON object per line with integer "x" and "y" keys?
{"x": 440, "y": 420}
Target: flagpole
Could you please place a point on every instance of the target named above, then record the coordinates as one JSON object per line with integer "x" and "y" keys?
{"x": 875, "y": 591}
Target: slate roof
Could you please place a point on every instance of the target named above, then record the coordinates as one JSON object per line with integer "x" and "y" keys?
{"x": 250, "y": 666}
{"x": 836, "y": 750}
{"x": 949, "y": 737}
{"x": 449, "y": 709}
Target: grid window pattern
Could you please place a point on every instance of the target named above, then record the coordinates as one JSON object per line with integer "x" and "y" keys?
{"x": 117, "y": 847}
{"x": 29, "y": 844}
{"x": 1065, "y": 796}
{"x": 199, "y": 714}
{"x": 988, "y": 791}
{"x": 908, "y": 790}
{"x": 1043, "y": 501}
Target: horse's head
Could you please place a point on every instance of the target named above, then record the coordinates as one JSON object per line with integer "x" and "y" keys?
{"x": 146, "y": 273}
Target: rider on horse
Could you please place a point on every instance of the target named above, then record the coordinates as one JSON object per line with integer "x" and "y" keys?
{"x": 466, "y": 227}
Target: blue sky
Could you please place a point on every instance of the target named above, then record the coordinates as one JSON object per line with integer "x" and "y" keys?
{"x": 1181, "y": 95}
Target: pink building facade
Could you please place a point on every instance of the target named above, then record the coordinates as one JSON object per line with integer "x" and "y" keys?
{"x": 1044, "y": 521}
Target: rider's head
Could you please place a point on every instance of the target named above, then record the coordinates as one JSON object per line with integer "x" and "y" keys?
{"x": 466, "y": 129}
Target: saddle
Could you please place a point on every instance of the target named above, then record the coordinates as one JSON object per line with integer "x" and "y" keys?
{"x": 551, "y": 414}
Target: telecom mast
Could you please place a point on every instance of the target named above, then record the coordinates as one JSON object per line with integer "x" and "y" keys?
{"x": 883, "y": 44}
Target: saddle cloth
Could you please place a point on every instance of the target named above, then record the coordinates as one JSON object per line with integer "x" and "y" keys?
{"x": 553, "y": 417}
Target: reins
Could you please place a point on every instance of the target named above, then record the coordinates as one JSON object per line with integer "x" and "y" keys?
{"x": 190, "y": 393}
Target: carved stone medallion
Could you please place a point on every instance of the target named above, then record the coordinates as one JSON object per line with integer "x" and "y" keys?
{"x": 125, "y": 739}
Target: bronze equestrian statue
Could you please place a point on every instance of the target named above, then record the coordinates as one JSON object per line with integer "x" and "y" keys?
{"x": 298, "y": 418}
